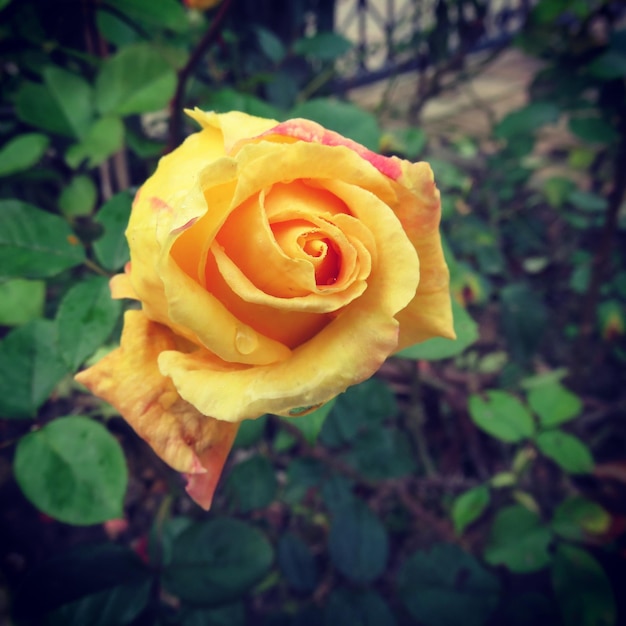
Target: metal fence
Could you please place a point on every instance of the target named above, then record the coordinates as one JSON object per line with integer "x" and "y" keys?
{"x": 395, "y": 36}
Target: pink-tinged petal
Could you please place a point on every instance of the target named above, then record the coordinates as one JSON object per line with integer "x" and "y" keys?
{"x": 130, "y": 380}
{"x": 305, "y": 130}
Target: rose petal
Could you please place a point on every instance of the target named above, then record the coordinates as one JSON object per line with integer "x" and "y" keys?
{"x": 129, "y": 379}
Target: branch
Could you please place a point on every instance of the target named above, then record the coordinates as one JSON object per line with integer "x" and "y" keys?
{"x": 205, "y": 43}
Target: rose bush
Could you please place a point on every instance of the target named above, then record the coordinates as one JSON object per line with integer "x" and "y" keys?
{"x": 276, "y": 264}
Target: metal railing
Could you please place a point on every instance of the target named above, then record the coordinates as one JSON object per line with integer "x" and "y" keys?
{"x": 396, "y": 36}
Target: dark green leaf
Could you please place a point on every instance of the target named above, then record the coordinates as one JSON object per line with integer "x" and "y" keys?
{"x": 502, "y": 416}
{"x": 567, "y": 451}
{"x": 518, "y": 540}
{"x": 297, "y": 563}
{"x": 86, "y": 318}
{"x": 250, "y": 432}
{"x": 593, "y": 129}
{"x": 469, "y": 506}
{"x": 164, "y": 14}
{"x": 343, "y": 117}
{"x": 217, "y": 561}
{"x": 582, "y": 588}
{"x": 74, "y": 470}
{"x": 553, "y": 403}
{"x": 74, "y": 97}
{"x": 78, "y": 198}
{"x": 21, "y": 301}
{"x": 362, "y": 405}
{"x": 31, "y": 368}
{"x": 609, "y": 66}
{"x": 271, "y": 45}
{"x": 114, "y": 29}
{"x": 358, "y": 543}
{"x": 22, "y": 152}
{"x": 527, "y": 120}
{"x": 135, "y": 80}
{"x": 524, "y": 318}
{"x": 106, "y": 577}
{"x": 35, "y": 244}
{"x": 576, "y": 517}
{"x": 587, "y": 201}
{"x": 337, "y": 494}
{"x": 252, "y": 484}
{"x": 323, "y": 46}
{"x": 112, "y": 248}
{"x": 381, "y": 453}
{"x": 227, "y": 99}
{"x": 438, "y": 348}
{"x": 445, "y": 586}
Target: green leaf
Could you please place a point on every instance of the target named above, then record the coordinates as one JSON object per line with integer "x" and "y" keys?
{"x": 469, "y": 506}
{"x": 343, "y": 117}
{"x": 358, "y": 543}
{"x": 554, "y": 404}
{"x": 524, "y": 318}
{"x": 252, "y": 484}
{"x": 101, "y": 584}
{"x": 137, "y": 79}
{"x": 355, "y": 410}
{"x": 86, "y": 317}
{"x": 576, "y": 517}
{"x": 302, "y": 474}
{"x": 297, "y": 563}
{"x": 74, "y": 97}
{"x": 22, "y": 152}
{"x": 250, "y": 432}
{"x": 217, "y": 561}
{"x": 558, "y": 189}
{"x": 31, "y": 368}
{"x": 103, "y": 139}
{"x": 438, "y": 348}
{"x": 162, "y": 14}
{"x": 323, "y": 46}
{"x": 271, "y": 45}
{"x": 310, "y": 425}
{"x": 518, "y": 540}
{"x": 593, "y": 129}
{"x": 36, "y": 105}
{"x": 566, "y": 450}
{"x": 112, "y": 248}
{"x": 608, "y": 66}
{"x": 74, "y": 470}
{"x": 502, "y": 416}
{"x": 356, "y": 608}
{"x": 582, "y": 588}
{"x": 79, "y": 197}
{"x": 445, "y": 586}
{"x": 381, "y": 453}
{"x": 114, "y": 29}
{"x": 21, "y": 301}
{"x": 228, "y": 99}
{"x": 35, "y": 244}
{"x": 527, "y": 120}
{"x": 587, "y": 201}
{"x": 409, "y": 142}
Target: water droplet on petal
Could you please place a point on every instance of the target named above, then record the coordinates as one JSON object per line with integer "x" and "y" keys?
{"x": 246, "y": 340}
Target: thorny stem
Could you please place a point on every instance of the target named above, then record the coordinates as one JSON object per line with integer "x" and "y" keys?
{"x": 205, "y": 43}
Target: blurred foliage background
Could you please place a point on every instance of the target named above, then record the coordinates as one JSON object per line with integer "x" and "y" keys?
{"x": 479, "y": 481}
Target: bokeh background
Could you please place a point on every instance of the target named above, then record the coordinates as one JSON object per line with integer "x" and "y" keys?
{"x": 480, "y": 481}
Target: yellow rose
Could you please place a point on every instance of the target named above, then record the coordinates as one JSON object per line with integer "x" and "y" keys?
{"x": 276, "y": 264}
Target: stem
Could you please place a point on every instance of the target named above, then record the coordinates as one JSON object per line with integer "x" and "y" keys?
{"x": 205, "y": 43}
{"x": 415, "y": 422}
{"x": 94, "y": 267}
{"x": 601, "y": 258}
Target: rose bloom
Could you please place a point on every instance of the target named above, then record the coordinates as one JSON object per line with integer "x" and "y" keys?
{"x": 276, "y": 265}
